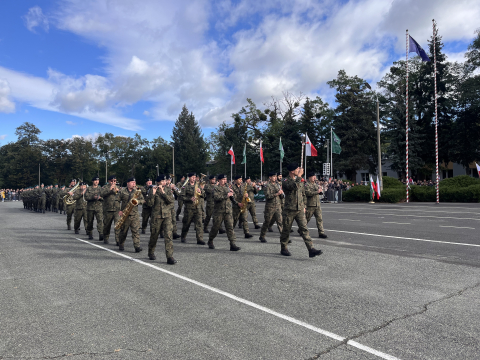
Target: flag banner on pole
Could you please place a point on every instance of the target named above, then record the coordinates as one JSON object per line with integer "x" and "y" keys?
{"x": 310, "y": 149}
{"x": 244, "y": 154}
{"x": 416, "y": 48}
{"x": 261, "y": 152}
{"x": 282, "y": 152}
{"x": 372, "y": 188}
{"x": 232, "y": 154}
{"x": 378, "y": 188}
{"x": 478, "y": 169}
{"x": 336, "y": 149}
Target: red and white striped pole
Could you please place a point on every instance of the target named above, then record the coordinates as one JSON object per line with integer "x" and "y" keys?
{"x": 406, "y": 125}
{"x": 436, "y": 113}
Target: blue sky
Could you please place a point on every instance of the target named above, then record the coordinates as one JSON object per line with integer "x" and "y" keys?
{"x": 86, "y": 67}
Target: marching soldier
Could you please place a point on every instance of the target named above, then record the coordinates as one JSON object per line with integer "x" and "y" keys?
{"x": 282, "y": 200}
{"x": 273, "y": 208}
{"x": 180, "y": 197}
{"x": 80, "y": 208}
{"x": 238, "y": 215}
{"x": 251, "y": 191}
{"x": 193, "y": 210}
{"x": 132, "y": 222}
{"x": 222, "y": 213}
{"x": 159, "y": 200}
{"x": 146, "y": 210}
{"x": 94, "y": 208}
{"x": 295, "y": 210}
{"x": 209, "y": 191}
{"x": 171, "y": 188}
{"x": 312, "y": 191}
{"x": 111, "y": 207}
{"x": 70, "y": 208}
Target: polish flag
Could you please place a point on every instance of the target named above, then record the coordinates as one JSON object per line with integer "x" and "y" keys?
{"x": 378, "y": 188}
{"x": 232, "y": 154}
{"x": 261, "y": 152}
{"x": 373, "y": 189}
{"x": 310, "y": 149}
{"x": 478, "y": 169}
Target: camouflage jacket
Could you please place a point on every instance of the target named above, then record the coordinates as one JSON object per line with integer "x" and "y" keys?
{"x": 180, "y": 194}
{"x": 41, "y": 192}
{"x": 223, "y": 204}
{"x": 238, "y": 192}
{"x": 111, "y": 200}
{"x": 311, "y": 191}
{"x": 92, "y": 203}
{"x": 80, "y": 202}
{"x": 161, "y": 203}
{"x": 209, "y": 191}
{"x": 273, "y": 201}
{"x": 125, "y": 196}
{"x": 145, "y": 191}
{"x": 189, "y": 192}
{"x": 294, "y": 193}
{"x": 251, "y": 190}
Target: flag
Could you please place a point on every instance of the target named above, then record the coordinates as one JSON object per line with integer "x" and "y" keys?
{"x": 282, "y": 152}
{"x": 244, "y": 154}
{"x": 372, "y": 188}
{"x": 310, "y": 149}
{"x": 336, "y": 149}
{"x": 232, "y": 154}
{"x": 413, "y": 46}
{"x": 378, "y": 188}
{"x": 261, "y": 152}
{"x": 478, "y": 169}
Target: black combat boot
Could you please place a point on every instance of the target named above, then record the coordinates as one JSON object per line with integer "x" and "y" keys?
{"x": 90, "y": 236}
{"x": 176, "y": 236}
{"x": 105, "y": 240}
{"x": 152, "y": 256}
{"x": 69, "y": 227}
{"x": 200, "y": 242}
{"x": 171, "y": 261}
{"x": 248, "y": 236}
{"x": 322, "y": 236}
{"x": 77, "y": 232}
{"x": 121, "y": 248}
{"x": 210, "y": 244}
{"x": 257, "y": 226}
{"x": 161, "y": 235}
{"x": 100, "y": 237}
{"x": 314, "y": 252}
{"x": 234, "y": 247}
{"x": 183, "y": 240}
{"x": 270, "y": 229}
{"x": 285, "y": 252}
{"x": 205, "y": 230}
{"x": 138, "y": 249}
{"x": 143, "y": 231}
{"x": 221, "y": 231}
{"x": 178, "y": 219}
{"x": 262, "y": 239}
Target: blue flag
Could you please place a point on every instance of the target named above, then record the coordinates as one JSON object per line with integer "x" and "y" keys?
{"x": 415, "y": 47}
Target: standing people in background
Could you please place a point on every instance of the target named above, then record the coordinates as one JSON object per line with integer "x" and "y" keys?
{"x": 42, "y": 198}
{"x": 61, "y": 203}
{"x": 80, "y": 208}
{"x": 146, "y": 210}
{"x": 313, "y": 191}
{"x": 180, "y": 197}
{"x": 56, "y": 191}
{"x": 94, "y": 208}
{"x": 273, "y": 206}
{"x": 132, "y": 222}
{"x": 111, "y": 207}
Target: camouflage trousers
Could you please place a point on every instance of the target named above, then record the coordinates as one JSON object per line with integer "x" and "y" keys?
{"x": 238, "y": 215}
{"x": 55, "y": 203}
{"x": 192, "y": 214}
{"x": 41, "y": 203}
{"x": 132, "y": 223}
{"x": 174, "y": 221}
{"x": 251, "y": 208}
{"x": 110, "y": 217}
{"x": 98, "y": 214}
{"x": 61, "y": 205}
{"x": 79, "y": 215}
{"x": 146, "y": 213}
{"x": 70, "y": 210}
{"x": 317, "y": 212}
{"x": 218, "y": 219}
{"x": 208, "y": 213}
{"x": 299, "y": 216}
{"x": 165, "y": 226}
{"x": 271, "y": 215}
{"x": 179, "y": 208}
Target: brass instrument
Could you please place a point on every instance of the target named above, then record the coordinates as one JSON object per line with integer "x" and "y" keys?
{"x": 245, "y": 199}
{"x": 197, "y": 195}
{"x": 68, "y": 199}
{"x": 128, "y": 209}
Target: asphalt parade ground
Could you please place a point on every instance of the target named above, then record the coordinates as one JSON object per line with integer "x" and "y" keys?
{"x": 394, "y": 282}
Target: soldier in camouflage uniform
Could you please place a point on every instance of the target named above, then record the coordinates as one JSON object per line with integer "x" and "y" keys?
{"x": 132, "y": 222}
{"x": 61, "y": 203}
{"x": 42, "y": 198}
{"x": 69, "y": 208}
{"x": 146, "y": 210}
{"x": 160, "y": 200}
{"x": 111, "y": 207}
{"x": 282, "y": 200}
{"x": 312, "y": 191}
{"x": 295, "y": 210}
{"x": 94, "y": 208}
{"x": 173, "y": 189}
{"x": 180, "y": 197}
{"x": 80, "y": 208}
{"x": 238, "y": 215}
{"x": 273, "y": 208}
{"x": 251, "y": 208}
{"x": 222, "y": 213}
{"x": 192, "y": 212}
{"x": 56, "y": 190}
{"x": 209, "y": 191}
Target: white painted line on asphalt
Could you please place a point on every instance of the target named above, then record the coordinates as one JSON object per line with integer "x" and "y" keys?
{"x": 393, "y": 222}
{"x": 403, "y": 215}
{"x": 457, "y": 227}
{"x": 348, "y": 219}
{"x": 252, "y": 304}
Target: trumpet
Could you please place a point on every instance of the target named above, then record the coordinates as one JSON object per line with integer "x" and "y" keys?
{"x": 68, "y": 199}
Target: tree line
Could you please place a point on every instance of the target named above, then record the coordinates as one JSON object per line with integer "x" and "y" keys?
{"x": 287, "y": 117}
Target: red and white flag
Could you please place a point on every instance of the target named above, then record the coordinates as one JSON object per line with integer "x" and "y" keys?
{"x": 373, "y": 189}
{"x": 261, "y": 152}
{"x": 310, "y": 149}
{"x": 478, "y": 169}
{"x": 378, "y": 188}
{"x": 232, "y": 154}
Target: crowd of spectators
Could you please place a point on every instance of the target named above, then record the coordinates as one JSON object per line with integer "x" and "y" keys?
{"x": 412, "y": 181}
{"x": 10, "y": 194}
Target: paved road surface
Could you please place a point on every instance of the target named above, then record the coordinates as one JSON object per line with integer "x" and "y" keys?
{"x": 395, "y": 281}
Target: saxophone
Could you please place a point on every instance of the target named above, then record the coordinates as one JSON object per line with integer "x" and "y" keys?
{"x": 128, "y": 209}
{"x": 245, "y": 199}
{"x": 197, "y": 195}
{"x": 68, "y": 199}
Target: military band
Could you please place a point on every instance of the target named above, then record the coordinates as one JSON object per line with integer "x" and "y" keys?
{"x": 293, "y": 199}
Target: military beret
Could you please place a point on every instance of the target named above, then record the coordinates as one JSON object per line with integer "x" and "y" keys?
{"x": 191, "y": 174}
{"x": 211, "y": 177}
{"x": 167, "y": 177}
{"x": 56, "y": 184}
{"x": 292, "y": 167}
{"x": 131, "y": 179}
{"x": 310, "y": 174}
{"x": 43, "y": 184}
{"x": 160, "y": 177}
{"x": 221, "y": 176}
{"x": 83, "y": 183}
{"x": 236, "y": 177}
{"x": 247, "y": 178}
{"x": 148, "y": 179}
{"x": 272, "y": 173}
{"x": 95, "y": 178}
{"x": 73, "y": 180}
{"x": 279, "y": 174}
{"x": 63, "y": 186}
{"x": 112, "y": 177}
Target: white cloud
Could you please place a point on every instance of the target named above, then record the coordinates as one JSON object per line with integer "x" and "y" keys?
{"x": 146, "y": 113}
{"x": 6, "y": 105}
{"x": 2, "y": 137}
{"x": 71, "y": 123}
{"x": 89, "y": 137}
{"x": 34, "y": 18}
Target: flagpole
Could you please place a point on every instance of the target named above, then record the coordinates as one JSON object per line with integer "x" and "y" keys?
{"x": 245, "y": 153}
{"x": 280, "y": 157}
{"x": 406, "y": 124}
{"x": 261, "y": 164}
{"x": 331, "y": 151}
{"x": 305, "y": 173}
{"x": 231, "y": 170}
{"x": 436, "y": 114}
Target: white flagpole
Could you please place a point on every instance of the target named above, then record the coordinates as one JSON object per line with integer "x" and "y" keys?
{"x": 436, "y": 114}
{"x": 331, "y": 151}
{"x": 406, "y": 125}
{"x": 245, "y": 151}
{"x": 261, "y": 164}
{"x": 280, "y": 157}
{"x": 231, "y": 170}
{"x": 305, "y": 173}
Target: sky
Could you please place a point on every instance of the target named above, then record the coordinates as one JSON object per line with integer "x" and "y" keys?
{"x": 87, "y": 67}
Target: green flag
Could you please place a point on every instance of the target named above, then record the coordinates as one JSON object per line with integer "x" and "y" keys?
{"x": 244, "y": 154}
{"x": 336, "y": 149}
{"x": 282, "y": 152}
